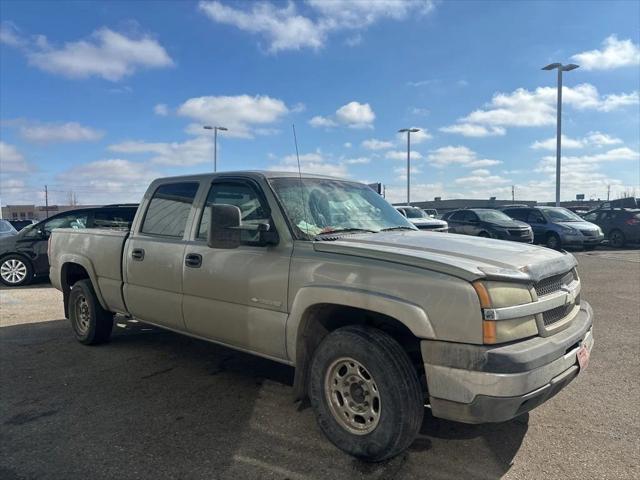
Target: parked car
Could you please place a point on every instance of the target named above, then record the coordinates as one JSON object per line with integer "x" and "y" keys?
{"x": 620, "y": 225}
{"x": 6, "y": 229}
{"x": 421, "y": 220}
{"x": 377, "y": 318}
{"x": 489, "y": 223}
{"x": 23, "y": 256}
{"x": 20, "y": 224}
{"x": 557, "y": 227}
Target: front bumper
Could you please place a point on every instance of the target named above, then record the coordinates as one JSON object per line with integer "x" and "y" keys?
{"x": 581, "y": 240}
{"x": 478, "y": 384}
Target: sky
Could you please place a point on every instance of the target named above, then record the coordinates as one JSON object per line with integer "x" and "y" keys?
{"x": 99, "y": 98}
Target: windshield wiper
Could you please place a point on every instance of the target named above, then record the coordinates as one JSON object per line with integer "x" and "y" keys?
{"x": 396, "y": 228}
{"x": 343, "y": 230}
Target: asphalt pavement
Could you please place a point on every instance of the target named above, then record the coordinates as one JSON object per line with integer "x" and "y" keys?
{"x": 156, "y": 405}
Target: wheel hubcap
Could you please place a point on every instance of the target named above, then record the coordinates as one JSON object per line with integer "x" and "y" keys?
{"x": 353, "y": 396}
{"x": 83, "y": 315}
{"x": 13, "y": 271}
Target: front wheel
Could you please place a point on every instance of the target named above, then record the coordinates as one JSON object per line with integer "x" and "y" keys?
{"x": 15, "y": 271}
{"x": 616, "y": 239}
{"x": 366, "y": 393}
{"x": 91, "y": 323}
{"x": 553, "y": 241}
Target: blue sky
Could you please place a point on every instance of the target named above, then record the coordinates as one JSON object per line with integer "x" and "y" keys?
{"x": 100, "y": 97}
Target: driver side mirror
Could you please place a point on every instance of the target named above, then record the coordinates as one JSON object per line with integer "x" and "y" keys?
{"x": 225, "y": 228}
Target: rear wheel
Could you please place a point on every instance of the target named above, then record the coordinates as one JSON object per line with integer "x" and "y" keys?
{"x": 553, "y": 241}
{"x": 617, "y": 239}
{"x": 365, "y": 393}
{"x": 91, "y": 323}
{"x": 15, "y": 271}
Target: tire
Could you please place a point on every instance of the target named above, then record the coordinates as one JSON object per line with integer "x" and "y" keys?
{"x": 15, "y": 271}
{"x": 484, "y": 235}
{"x": 617, "y": 239}
{"x": 374, "y": 366}
{"x": 91, "y": 323}
{"x": 553, "y": 241}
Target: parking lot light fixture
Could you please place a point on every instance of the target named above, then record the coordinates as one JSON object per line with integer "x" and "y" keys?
{"x": 408, "y": 131}
{"x": 215, "y": 143}
{"x": 561, "y": 68}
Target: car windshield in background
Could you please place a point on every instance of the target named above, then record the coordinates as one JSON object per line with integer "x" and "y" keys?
{"x": 559, "y": 214}
{"x": 316, "y": 206}
{"x": 6, "y": 227}
{"x": 415, "y": 213}
{"x": 493, "y": 216}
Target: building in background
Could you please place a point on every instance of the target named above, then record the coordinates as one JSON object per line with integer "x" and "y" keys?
{"x": 36, "y": 212}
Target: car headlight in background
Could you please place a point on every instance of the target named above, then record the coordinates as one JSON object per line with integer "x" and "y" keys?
{"x": 505, "y": 294}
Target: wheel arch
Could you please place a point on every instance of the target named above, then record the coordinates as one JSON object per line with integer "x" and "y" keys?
{"x": 317, "y": 311}
{"x": 74, "y": 268}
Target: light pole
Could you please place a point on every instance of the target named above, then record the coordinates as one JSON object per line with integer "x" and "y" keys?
{"x": 409, "y": 132}
{"x": 561, "y": 68}
{"x": 215, "y": 143}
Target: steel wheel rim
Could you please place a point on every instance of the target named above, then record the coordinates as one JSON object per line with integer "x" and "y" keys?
{"x": 83, "y": 314}
{"x": 13, "y": 271}
{"x": 353, "y": 396}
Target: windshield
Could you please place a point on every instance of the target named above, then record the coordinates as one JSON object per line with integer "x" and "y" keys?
{"x": 493, "y": 216}
{"x": 316, "y": 206}
{"x": 559, "y": 214}
{"x": 415, "y": 213}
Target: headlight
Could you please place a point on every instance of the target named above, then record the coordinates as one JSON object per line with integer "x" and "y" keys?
{"x": 505, "y": 294}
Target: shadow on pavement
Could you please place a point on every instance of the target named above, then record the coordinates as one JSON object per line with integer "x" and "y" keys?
{"x": 153, "y": 404}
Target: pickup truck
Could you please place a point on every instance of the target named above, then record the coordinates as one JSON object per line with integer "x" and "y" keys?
{"x": 379, "y": 319}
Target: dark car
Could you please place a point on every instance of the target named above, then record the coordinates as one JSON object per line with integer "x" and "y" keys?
{"x": 485, "y": 222}
{"x": 619, "y": 225}
{"x": 23, "y": 256}
{"x": 20, "y": 224}
{"x": 557, "y": 227}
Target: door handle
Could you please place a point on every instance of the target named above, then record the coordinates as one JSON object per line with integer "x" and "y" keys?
{"x": 193, "y": 260}
{"x": 137, "y": 254}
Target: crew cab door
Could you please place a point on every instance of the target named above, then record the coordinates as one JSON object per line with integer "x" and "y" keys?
{"x": 154, "y": 256}
{"x": 237, "y": 296}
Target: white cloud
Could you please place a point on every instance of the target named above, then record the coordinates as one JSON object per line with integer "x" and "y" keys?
{"x": 105, "y": 53}
{"x": 347, "y": 145}
{"x": 402, "y": 155}
{"x": 525, "y": 108}
{"x": 458, "y": 155}
{"x": 419, "y": 191}
{"x": 375, "y": 144}
{"x": 471, "y": 130}
{"x": 191, "y": 152}
{"x": 422, "y": 112}
{"x": 597, "y": 139}
{"x": 358, "y": 161}
{"x": 11, "y": 160}
{"x": 59, "y": 132}
{"x": 322, "y": 122}
{"x": 284, "y": 28}
{"x": 356, "y": 115}
{"x": 161, "y": 109}
{"x": 352, "y": 115}
{"x": 401, "y": 172}
{"x": 417, "y": 137}
{"x": 614, "y": 54}
{"x": 240, "y": 114}
{"x": 585, "y": 162}
{"x": 311, "y": 163}
{"x": 481, "y": 177}
{"x": 10, "y": 35}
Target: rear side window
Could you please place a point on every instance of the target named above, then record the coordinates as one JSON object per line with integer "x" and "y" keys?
{"x": 517, "y": 214}
{"x": 458, "y": 216}
{"x": 535, "y": 216}
{"x": 169, "y": 209}
{"x": 113, "y": 218}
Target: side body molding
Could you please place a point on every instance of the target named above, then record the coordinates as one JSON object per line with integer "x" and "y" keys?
{"x": 411, "y": 315}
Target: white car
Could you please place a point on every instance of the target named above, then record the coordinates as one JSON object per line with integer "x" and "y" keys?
{"x": 421, "y": 220}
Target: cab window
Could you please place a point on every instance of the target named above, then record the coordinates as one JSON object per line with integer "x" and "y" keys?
{"x": 243, "y": 196}
{"x": 535, "y": 216}
{"x": 169, "y": 209}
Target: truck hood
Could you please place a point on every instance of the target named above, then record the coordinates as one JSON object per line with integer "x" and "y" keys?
{"x": 470, "y": 258}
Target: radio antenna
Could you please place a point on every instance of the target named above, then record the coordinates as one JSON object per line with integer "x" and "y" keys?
{"x": 304, "y": 204}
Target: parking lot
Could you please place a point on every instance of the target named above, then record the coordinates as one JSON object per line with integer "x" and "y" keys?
{"x": 153, "y": 404}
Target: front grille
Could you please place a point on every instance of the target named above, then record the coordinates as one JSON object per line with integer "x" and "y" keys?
{"x": 589, "y": 233}
{"x": 518, "y": 233}
{"x": 429, "y": 227}
{"x": 553, "y": 284}
{"x": 556, "y": 314}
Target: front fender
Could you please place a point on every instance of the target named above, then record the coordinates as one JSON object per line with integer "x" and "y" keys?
{"x": 412, "y": 316}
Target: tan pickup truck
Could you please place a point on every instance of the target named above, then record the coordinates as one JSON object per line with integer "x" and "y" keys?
{"x": 378, "y": 319}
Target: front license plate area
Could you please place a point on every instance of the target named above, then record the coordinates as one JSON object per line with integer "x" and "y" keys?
{"x": 583, "y": 357}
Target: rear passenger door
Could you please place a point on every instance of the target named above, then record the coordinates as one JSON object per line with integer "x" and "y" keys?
{"x": 238, "y": 296}
{"x": 155, "y": 254}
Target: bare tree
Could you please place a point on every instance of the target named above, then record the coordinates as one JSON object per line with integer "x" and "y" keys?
{"x": 72, "y": 198}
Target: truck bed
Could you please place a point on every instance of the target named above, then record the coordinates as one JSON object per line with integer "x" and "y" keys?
{"x": 99, "y": 251}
